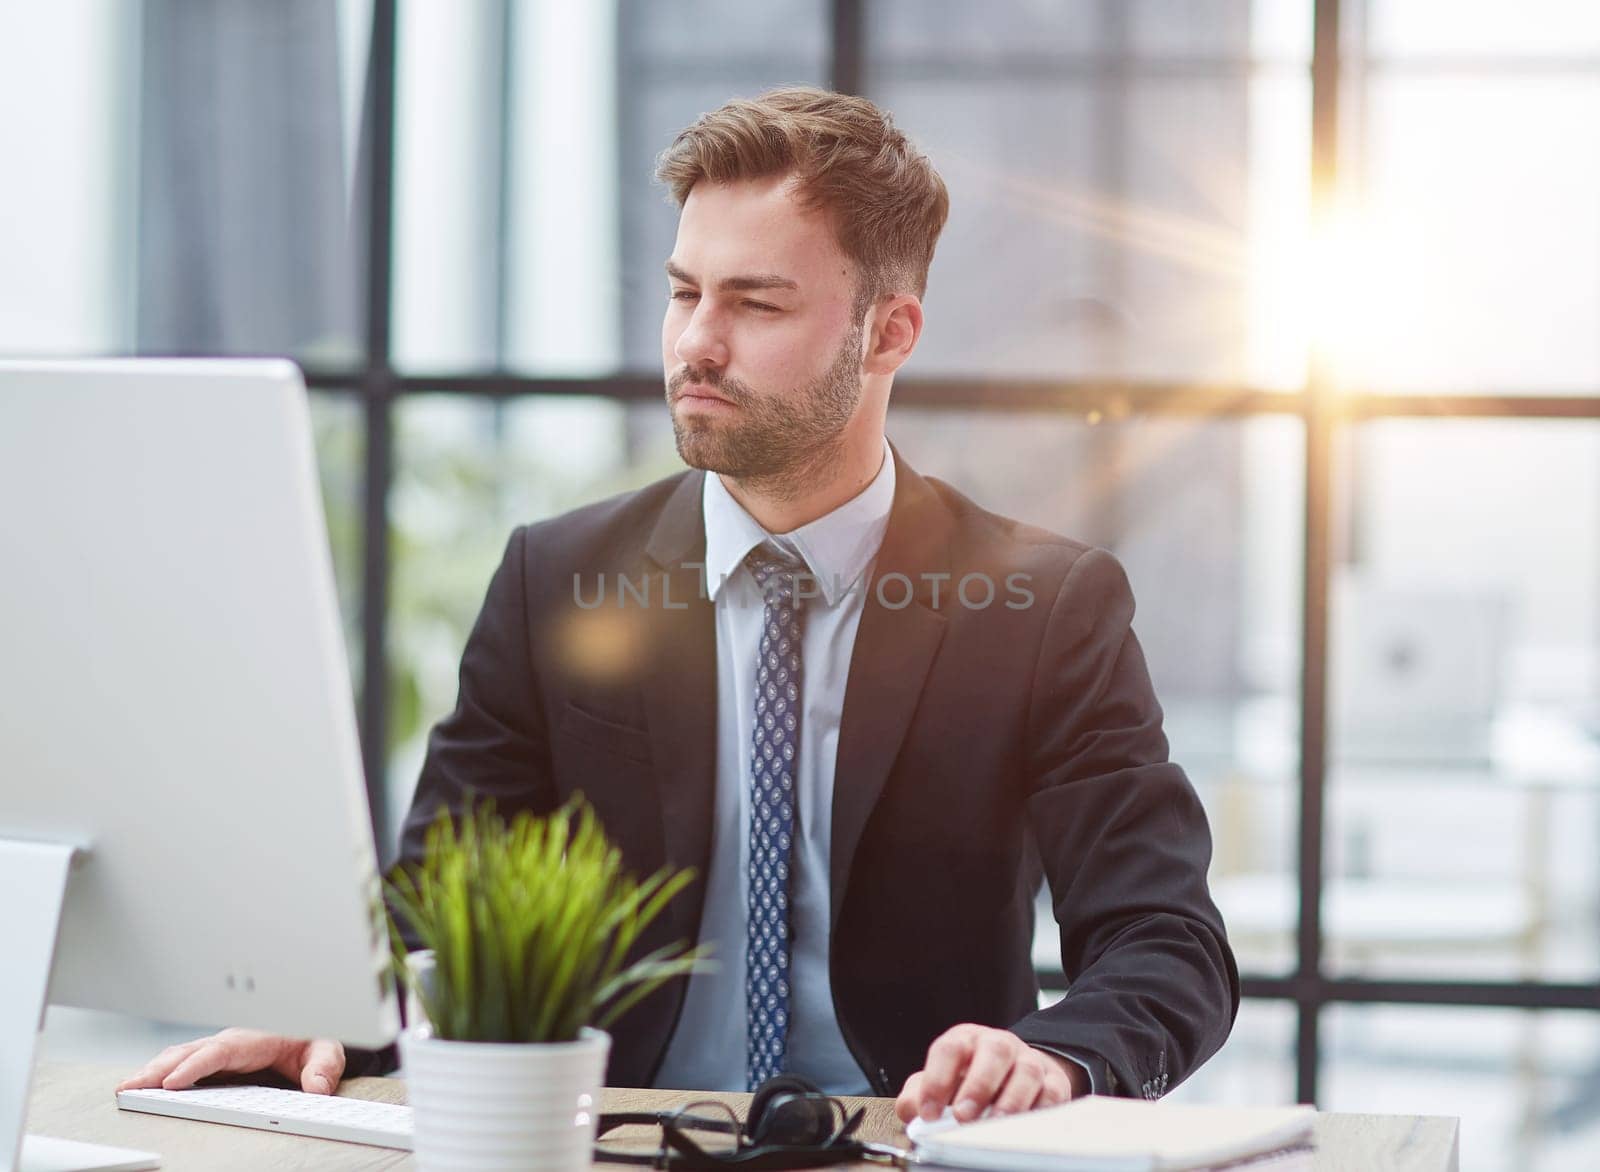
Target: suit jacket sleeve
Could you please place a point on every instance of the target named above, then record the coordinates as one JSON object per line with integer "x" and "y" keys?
{"x": 491, "y": 746}
{"x": 1153, "y": 988}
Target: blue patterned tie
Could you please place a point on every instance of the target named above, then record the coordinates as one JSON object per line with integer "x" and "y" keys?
{"x": 773, "y": 773}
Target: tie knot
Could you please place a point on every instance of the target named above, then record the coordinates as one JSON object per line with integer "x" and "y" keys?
{"x": 778, "y": 573}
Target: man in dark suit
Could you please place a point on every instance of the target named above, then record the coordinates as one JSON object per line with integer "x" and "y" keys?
{"x": 862, "y": 708}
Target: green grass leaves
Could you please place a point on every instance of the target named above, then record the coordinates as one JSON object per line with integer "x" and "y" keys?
{"x": 531, "y": 925}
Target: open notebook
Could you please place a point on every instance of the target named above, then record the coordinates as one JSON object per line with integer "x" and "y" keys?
{"x": 1099, "y": 1134}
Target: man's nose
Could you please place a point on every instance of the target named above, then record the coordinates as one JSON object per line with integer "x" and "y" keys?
{"x": 702, "y": 345}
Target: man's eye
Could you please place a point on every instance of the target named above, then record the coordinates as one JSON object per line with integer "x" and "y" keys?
{"x": 683, "y": 294}
{"x": 762, "y": 306}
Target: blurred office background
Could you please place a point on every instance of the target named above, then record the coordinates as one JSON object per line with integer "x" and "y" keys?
{"x": 1294, "y": 304}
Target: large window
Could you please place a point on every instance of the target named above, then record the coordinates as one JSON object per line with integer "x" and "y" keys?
{"x": 1294, "y": 304}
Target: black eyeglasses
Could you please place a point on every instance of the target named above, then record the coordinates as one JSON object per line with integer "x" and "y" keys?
{"x": 798, "y": 1129}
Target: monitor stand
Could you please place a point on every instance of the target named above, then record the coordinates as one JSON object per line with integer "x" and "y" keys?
{"x": 33, "y": 876}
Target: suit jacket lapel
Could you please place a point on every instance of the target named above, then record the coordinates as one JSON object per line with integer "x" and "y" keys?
{"x": 681, "y": 692}
{"x": 894, "y": 648}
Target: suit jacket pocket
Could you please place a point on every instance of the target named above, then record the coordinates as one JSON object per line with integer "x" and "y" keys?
{"x": 633, "y": 743}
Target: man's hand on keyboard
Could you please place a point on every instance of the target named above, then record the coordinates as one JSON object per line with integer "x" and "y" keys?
{"x": 314, "y": 1065}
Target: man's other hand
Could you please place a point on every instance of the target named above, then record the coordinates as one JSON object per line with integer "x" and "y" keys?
{"x": 974, "y": 1067}
{"x": 314, "y": 1065}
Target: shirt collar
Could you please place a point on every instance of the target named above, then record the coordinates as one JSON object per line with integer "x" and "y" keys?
{"x": 837, "y": 547}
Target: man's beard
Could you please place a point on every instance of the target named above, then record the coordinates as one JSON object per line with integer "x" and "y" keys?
{"x": 776, "y": 443}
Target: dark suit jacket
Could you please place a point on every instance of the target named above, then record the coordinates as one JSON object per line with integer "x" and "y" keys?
{"x": 969, "y": 731}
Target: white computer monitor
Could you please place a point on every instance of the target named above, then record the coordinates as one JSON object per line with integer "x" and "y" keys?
{"x": 176, "y": 718}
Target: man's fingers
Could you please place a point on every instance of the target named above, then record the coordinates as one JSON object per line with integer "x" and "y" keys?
{"x": 1057, "y": 1084}
{"x": 214, "y": 1056}
{"x": 910, "y": 1100}
{"x": 947, "y": 1061}
{"x": 992, "y": 1061}
{"x": 235, "y": 1051}
{"x": 163, "y": 1064}
{"x": 1021, "y": 1090}
{"x": 324, "y": 1063}
{"x": 974, "y": 1067}
{"x": 1051, "y": 1095}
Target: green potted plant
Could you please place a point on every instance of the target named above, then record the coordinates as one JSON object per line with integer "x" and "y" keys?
{"x": 526, "y": 931}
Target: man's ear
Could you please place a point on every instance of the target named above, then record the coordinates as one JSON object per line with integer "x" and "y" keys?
{"x": 893, "y": 328}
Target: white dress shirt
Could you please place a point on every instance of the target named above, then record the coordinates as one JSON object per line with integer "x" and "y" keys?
{"x": 707, "y": 1051}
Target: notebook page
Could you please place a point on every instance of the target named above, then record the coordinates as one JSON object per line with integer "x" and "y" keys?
{"x": 1120, "y": 1135}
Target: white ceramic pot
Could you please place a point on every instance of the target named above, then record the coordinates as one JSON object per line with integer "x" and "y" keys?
{"x": 488, "y": 1106}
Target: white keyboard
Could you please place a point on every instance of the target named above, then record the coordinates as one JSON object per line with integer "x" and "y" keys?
{"x": 357, "y": 1121}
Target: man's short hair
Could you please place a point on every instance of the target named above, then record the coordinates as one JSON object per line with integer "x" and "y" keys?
{"x": 848, "y": 159}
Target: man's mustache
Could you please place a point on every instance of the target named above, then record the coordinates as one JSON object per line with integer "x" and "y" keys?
{"x": 730, "y": 389}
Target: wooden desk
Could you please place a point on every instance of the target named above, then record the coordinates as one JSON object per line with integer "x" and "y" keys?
{"x": 76, "y": 1102}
